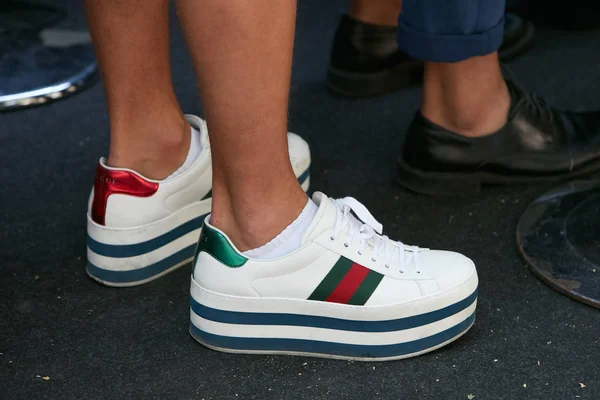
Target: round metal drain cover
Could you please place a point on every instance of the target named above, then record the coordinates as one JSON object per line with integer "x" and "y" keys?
{"x": 40, "y": 64}
{"x": 559, "y": 237}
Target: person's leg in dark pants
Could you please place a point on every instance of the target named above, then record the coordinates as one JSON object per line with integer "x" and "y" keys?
{"x": 475, "y": 127}
{"x": 366, "y": 59}
{"x": 464, "y": 89}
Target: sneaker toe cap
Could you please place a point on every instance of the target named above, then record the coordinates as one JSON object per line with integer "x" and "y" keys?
{"x": 449, "y": 269}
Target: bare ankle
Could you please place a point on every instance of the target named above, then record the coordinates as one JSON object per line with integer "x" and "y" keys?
{"x": 470, "y": 97}
{"x": 486, "y": 117}
{"x": 253, "y": 222}
{"x": 381, "y": 12}
{"x": 154, "y": 148}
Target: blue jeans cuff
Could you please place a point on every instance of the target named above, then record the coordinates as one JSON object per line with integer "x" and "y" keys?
{"x": 448, "y": 48}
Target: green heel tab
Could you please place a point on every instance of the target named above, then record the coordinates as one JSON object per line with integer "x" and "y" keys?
{"x": 216, "y": 244}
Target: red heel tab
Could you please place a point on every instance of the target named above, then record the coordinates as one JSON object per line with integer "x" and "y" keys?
{"x": 117, "y": 181}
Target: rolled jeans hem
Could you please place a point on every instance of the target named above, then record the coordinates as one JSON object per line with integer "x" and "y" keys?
{"x": 448, "y": 48}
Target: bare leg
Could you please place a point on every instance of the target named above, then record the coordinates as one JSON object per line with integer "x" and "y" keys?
{"x": 242, "y": 51}
{"x": 469, "y": 97}
{"x": 148, "y": 132}
{"x": 380, "y": 12}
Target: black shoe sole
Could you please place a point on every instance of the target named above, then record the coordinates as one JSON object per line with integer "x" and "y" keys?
{"x": 469, "y": 183}
{"x": 406, "y": 74}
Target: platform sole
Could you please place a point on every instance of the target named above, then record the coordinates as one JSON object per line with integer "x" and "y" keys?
{"x": 321, "y": 329}
{"x": 123, "y": 257}
{"x": 133, "y": 256}
{"x": 468, "y": 183}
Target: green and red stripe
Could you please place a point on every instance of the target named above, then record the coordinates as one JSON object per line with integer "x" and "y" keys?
{"x": 347, "y": 283}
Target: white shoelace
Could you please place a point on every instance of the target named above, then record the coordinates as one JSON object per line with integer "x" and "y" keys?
{"x": 392, "y": 252}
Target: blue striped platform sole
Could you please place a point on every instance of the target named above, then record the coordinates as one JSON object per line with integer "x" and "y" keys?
{"x": 220, "y": 323}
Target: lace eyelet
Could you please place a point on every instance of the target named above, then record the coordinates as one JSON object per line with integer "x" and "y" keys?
{"x": 418, "y": 272}
{"x": 373, "y": 259}
{"x": 359, "y": 253}
{"x": 331, "y": 239}
{"x": 346, "y": 245}
{"x": 401, "y": 272}
{"x": 387, "y": 266}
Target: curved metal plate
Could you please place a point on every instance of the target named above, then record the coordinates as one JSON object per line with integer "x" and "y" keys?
{"x": 39, "y": 67}
{"x": 20, "y": 13}
{"x": 559, "y": 237}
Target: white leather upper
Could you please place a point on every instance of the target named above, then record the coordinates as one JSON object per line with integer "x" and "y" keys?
{"x": 297, "y": 274}
{"x": 299, "y": 153}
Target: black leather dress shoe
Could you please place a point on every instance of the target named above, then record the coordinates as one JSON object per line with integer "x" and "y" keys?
{"x": 536, "y": 144}
{"x": 366, "y": 60}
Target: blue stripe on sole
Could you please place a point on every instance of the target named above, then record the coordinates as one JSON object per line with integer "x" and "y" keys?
{"x": 304, "y": 175}
{"x": 258, "y": 318}
{"x": 132, "y": 250}
{"x": 141, "y": 274}
{"x": 137, "y": 249}
{"x": 331, "y": 348}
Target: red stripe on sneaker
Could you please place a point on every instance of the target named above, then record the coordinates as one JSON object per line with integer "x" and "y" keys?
{"x": 116, "y": 181}
{"x": 348, "y": 285}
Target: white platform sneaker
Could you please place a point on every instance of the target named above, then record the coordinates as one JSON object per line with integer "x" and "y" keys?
{"x": 348, "y": 292}
{"x": 140, "y": 229}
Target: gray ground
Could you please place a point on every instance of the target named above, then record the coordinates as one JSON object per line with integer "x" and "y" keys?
{"x": 100, "y": 343}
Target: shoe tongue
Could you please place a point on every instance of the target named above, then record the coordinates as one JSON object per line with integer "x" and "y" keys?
{"x": 324, "y": 220}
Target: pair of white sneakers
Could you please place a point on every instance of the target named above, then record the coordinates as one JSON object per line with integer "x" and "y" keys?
{"x": 348, "y": 292}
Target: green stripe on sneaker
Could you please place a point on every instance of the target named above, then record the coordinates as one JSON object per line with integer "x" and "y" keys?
{"x": 366, "y": 289}
{"x": 217, "y": 245}
{"x": 332, "y": 279}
